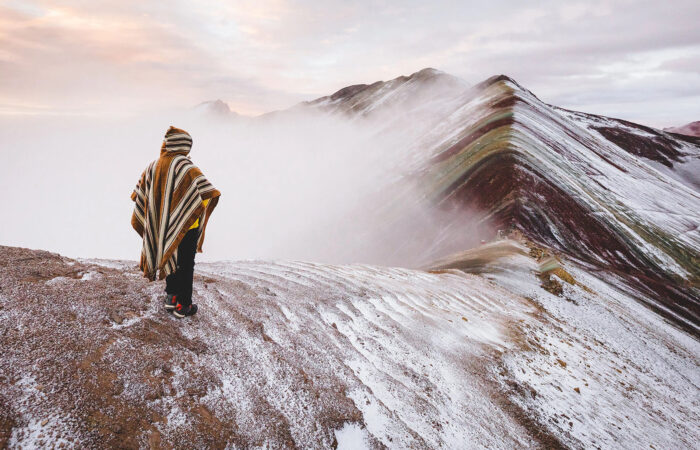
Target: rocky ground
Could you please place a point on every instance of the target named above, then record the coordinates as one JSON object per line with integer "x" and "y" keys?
{"x": 294, "y": 354}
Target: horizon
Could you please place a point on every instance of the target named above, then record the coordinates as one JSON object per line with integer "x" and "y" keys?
{"x": 639, "y": 63}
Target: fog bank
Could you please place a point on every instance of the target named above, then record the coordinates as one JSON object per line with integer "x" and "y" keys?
{"x": 296, "y": 185}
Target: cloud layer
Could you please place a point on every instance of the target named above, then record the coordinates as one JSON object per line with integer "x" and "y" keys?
{"x": 639, "y": 60}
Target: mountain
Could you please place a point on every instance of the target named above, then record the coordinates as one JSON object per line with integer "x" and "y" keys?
{"x": 406, "y": 93}
{"x": 573, "y": 324}
{"x": 614, "y": 196}
{"x": 689, "y": 129}
{"x": 215, "y": 109}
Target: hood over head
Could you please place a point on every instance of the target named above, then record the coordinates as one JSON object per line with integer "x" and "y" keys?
{"x": 176, "y": 141}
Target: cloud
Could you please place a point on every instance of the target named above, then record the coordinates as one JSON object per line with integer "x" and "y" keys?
{"x": 685, "y": 64}
{"x": 268, "y": 54}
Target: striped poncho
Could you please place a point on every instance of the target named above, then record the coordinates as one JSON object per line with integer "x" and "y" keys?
{"x": 168, "y": 200}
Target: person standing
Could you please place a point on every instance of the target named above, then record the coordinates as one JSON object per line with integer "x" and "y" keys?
{"x": 173, "y": 202}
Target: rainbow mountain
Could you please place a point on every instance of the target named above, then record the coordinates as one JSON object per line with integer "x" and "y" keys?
{"x": 615, "y": 197}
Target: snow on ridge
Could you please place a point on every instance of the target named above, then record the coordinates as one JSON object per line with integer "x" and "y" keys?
{"x": 299, "y": 353}
{"x": 640, "y": 209}
{"x": 609, "y": 368}
{"x": 389, "y": 323}
{"x": 396, "y": 333}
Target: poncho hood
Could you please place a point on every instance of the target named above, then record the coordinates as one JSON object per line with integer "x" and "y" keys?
{"x": 176, "y": 141}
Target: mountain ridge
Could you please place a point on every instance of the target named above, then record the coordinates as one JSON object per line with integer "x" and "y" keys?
{"x": 553, "y": 174}
{"x": 293, "y": 353}
{"x": 689, "y": 129}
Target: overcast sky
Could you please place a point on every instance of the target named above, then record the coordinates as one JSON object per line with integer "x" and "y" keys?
{"x": 638, "y": 60}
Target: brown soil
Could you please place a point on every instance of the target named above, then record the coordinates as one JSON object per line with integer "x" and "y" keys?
{"x": 85, "y": 357}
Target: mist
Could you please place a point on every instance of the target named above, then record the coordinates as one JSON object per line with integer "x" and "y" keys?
{"x": 295, "y": 185}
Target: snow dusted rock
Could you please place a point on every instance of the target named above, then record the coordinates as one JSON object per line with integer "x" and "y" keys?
{"x": 295, "y": 354}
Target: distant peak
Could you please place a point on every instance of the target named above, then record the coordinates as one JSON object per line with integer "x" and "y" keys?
{"x": 216, "y": 107}
{"x": 426, "y": 76}
{"x": 498, "y": 78}
{"x": 689, "y": 129}
{"x": 518, "y": 89}
{"x": 348, "y": 91}
{"x": 423, "y": 74}
{"x": 426, "y": 73}
{"x": 217, "y": 104}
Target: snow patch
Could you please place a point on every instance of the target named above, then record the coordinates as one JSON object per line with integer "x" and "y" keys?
{"x": 352, "y": 437}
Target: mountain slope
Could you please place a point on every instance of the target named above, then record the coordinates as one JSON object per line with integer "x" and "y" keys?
{"x": 294, "y": 354}
{"x": 402, "y": 94}
{"x": 689, "y": 129}
{"x": 614, "y": 196}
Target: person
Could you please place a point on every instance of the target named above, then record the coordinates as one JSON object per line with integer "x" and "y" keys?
{"x": 173, "y": 204}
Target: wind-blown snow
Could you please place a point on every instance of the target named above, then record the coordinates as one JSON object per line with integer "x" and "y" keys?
{"x": 606, "y": 371}
{"x": 403, "y": 342}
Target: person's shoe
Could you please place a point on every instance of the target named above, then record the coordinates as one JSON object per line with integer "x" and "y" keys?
{"x": 169, "y": 302}
{"x": 184, "y": 311}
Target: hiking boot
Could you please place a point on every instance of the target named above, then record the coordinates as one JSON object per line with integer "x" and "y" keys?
{"x": 184, "y": 311}
{"x": 169, "y": 302}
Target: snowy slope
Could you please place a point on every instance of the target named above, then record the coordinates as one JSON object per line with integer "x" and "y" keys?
{"x": 310, "y": 355}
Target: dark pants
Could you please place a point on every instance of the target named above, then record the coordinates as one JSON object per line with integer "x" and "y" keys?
{"x": 179, "y": 283}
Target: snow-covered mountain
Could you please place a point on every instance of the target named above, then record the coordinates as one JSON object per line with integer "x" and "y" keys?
{"x": 689, "y": 129}
{"x": 573, "y": 325}
{"x": 617, "y": 197}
